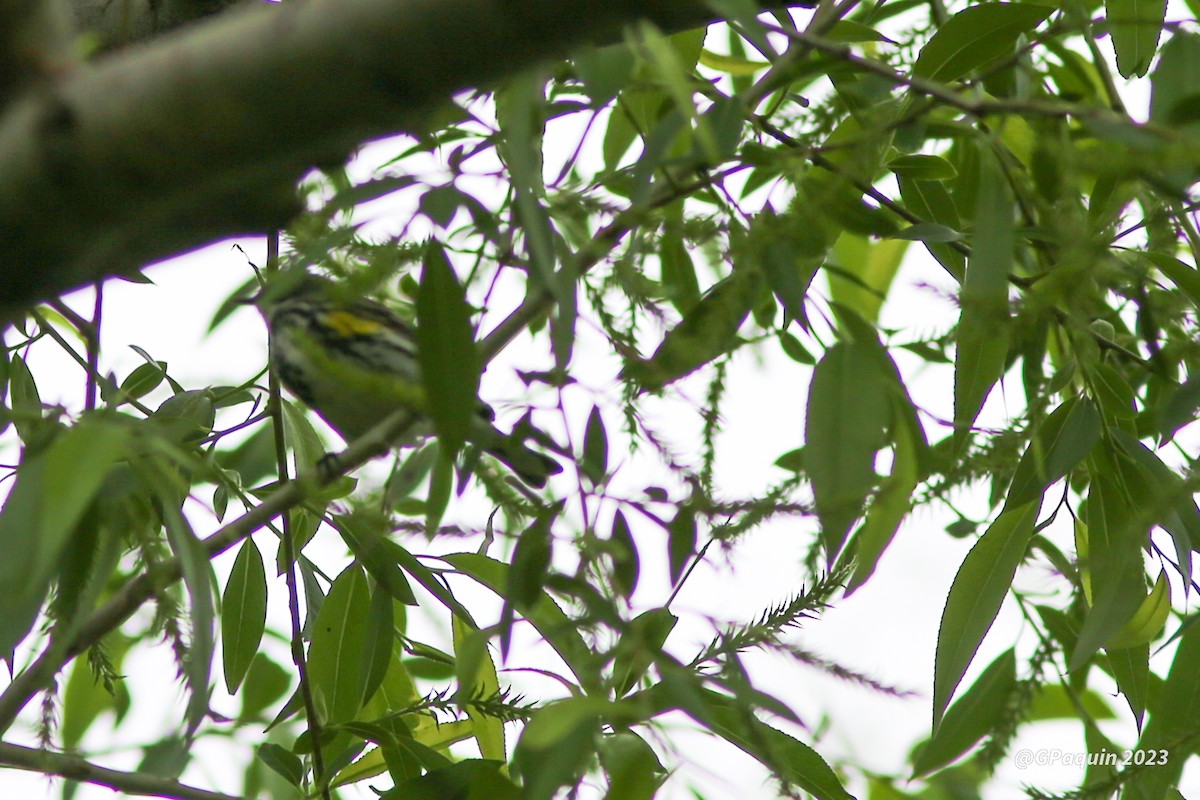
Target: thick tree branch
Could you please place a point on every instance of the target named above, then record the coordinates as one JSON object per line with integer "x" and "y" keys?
{"x": 77, "y": 769}
{"x": 202, "y": 134}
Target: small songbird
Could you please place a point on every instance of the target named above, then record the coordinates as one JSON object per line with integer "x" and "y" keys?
{"x": 354, "y": 361}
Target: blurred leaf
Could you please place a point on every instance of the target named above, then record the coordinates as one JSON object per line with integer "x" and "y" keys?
{"x": 1060, "y": 443}
{"x": 848, "y": 414}
{"x": 873, "y": 264}
{"x": 626, "y": 564}
{"x": 595, "y": 448}
{"x": 634, "y": 770}
{"x": 640, "y": 645}
{"x": 983, "y": 325}
{"x": 975, "y": 37}
{"x": 1174, "y": 94}
{"x": 450, "y": 365}
{"x": 369, "y": 548}
{"x": 477, "y": 681}
{"x": 706, "y": 333}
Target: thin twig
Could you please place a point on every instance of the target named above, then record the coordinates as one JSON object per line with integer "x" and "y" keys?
{"x": 275, "y": 404}
{"x": 78, "y": 769}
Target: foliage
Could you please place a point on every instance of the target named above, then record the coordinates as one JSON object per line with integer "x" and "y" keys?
{"x": 674, "y": 202}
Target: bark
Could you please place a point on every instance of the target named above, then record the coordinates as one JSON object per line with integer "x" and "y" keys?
{"x": 201, "y": 134}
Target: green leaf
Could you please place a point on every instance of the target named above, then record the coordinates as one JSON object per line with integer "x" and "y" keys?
{"x": 1174, "y": 95}
{"x": 975, "y": 37}
{"x": 626, "y": 564}
{"x": 790, "y": 253}
{"x": 640, "y": 646}
{"x": 681, "y": 542}
{"x": 559, "y": 630}
{"x": 557, "y": 744}
{"x": 972, "y": 716}
{"x": 1135, "y": 26}
{"x": 888, "y": 509}
{"x": 339, "y": 642}
{"x": 930, "y": 200}
{"x": 848, "y": 413}
{"x": 794, "y": 761}
{"x": 1115, "y": 537}
{"x": 873, "y": 265}
{"x": 471, "y": 779}
{"x": 919, "y": 167}
{"x": 76, "y": 466}
{"x": 1182, "y": 275}
{"x": 531, "y": 560}
{"x": 974, "y": 600}
{"x": 477, "y": 680}
{"x": 633, "y": 769}
{"x": 282, "y": 761}
{"x": 1130, "y": 668}
{"x": 243, "y": 614}
{"x": 1172, "y": 719}
{"x": 595, "y": 448}
{"x": 198, "y": 578}
{"x": 369, "y": 547}
{"x": 706, "y": 333}
{"x": 605, "y": 71}
{"x": 521, "y": 112}
{"x": 450, "y": 365}
{"x": 984, "y": 322}
{"x": 1061, "y": 442}
{"x": 144, "y": 379}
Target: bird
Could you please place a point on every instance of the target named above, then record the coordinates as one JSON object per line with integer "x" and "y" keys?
{"x": 354, "y": 362}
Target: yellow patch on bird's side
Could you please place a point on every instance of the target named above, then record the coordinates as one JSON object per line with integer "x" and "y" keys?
{"x": 347, "y": 324}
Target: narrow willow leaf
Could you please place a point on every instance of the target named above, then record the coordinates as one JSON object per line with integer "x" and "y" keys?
{"x": 974, "y": 600}
{"x": 640, "y": 646}
{"x": 975, "y": 37}
{"x": 595, "y": 447}
{"x": 368, "y": 546}
{"x": 282, "y": 761}
{"x": 1135, "y": 26}
{"x": 930, "y": 200}
{"x": 972, "y": 716}
{"x": 559, "y": 631}
{"x": 243, "y": 613}
{"x": 848, "y": 410}
{"x": 626, "y": 562}
{"x": 874, "y": 264}
{"x": 1173, "y": 87}
{"x": 888, "y": 509}
{"x": 1115, "y": 537}
{"x": 1061, "y": 442}
{"x": 557, "y": 744}
{"x": 198, "y": 578}
{"x": 450, "y": 365}
{"x": 633, "y": 768}
{"x": 920, "y": 167}
{"x": 1131, "y": 670}
{"x": 793, "y": 760}
{"x": 707, "y": 332}
{"x": 1172, "y": 718}
{"x": 335, "y": 656}
{"x": 983, "y": 325}
{"x": 477, "y": 680}
{"x": 681, "y": 542}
